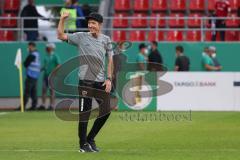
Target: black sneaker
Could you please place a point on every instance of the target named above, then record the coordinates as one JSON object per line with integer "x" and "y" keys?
{"x": 50, "y": 108}
{"x": 86, "y": 148}
{"x": 41, "y": 108}
{"x": 93, "y": 146}
{"x": 31, "y": 108}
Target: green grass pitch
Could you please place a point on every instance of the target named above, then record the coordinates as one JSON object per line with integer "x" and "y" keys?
{"x": 41, "y": 136}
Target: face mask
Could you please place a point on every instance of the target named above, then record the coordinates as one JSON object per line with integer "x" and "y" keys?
{"x": 146, "y": 51}
{"x": 214, "y": 55}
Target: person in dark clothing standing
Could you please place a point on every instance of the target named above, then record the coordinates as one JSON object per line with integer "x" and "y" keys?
{"x": 30, "y": 11}
{"x": 118, "y": 59}
{"x": 222, "y": 9}
{"x": 182, "y": 62}
{"x": 154, "y": 58}
{"x": 94, "y": 80}
{"x": 33, "y": 67}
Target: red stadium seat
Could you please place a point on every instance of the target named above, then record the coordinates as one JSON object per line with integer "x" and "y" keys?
{"x": 178, "y": 5}
{"x": 137, "y": 35}
{"x": 232, "y": 36}
{"x": 233, "y": 22}
{"x": 119, "y": 36}
{"x": 193, "y": 35}
{"x": 174, "y": 36}
{"x": 208, "y": 36}
{"x": 140, "y": 21}
{"x": 159, "y": 5}
{"x": 120, "y": 21}
{"x": 155, "y": 35}
{"x": 141, "y": 5}
{"x": 9, "y": 20}
{"x": 11, "y": 5}
{"x": 161, "y": 22}
{"x": 176, "y": 20}
{"x": 198, "y": 5}
{"x": 194, "y": 20}
{"x": 6, "y": 35}
{"x": 234, "y": 4}
{"x": 211, "y": 4}
{"x": 122, "y": 5}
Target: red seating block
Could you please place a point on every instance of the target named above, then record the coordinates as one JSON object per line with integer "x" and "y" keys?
{"x": 11, "y": 5}
{"x": 120, "y": 20}
{"x": 193, "y": 35}
{"x": 234, "y": 4}
{"x": 140, "y": 21}
{"x": 208, "y": 36}
{"x": 7, "y": 35}
{"x": 9, "y": 20}
{"x": 197, "y": 5}
{"x": 141, "y": 5}
{"x": 119, "y": 35}
{"x": 159, "y": 5}
{"x": 174, "y": 35}
{"x": 211, "y": 4}
{"x": 194, "y": 20}
{"x": 178, "y": 5}
{"x": 176, "y": 20}
{"x": 122, "y": 5}
{"x": 161, "y": 22}
{"x": 232, "y": 36}
{"x": 233, "y": 22}
{"x": 155, "y": 35}
{"x": 137, "y": 35}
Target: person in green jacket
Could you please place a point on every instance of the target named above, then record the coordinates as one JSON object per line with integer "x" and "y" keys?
{"x": 70, "y": 24}
{"x": 51, "y": 62}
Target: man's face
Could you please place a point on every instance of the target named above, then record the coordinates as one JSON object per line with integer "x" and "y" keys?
{"x": 68, "y": 2}
{"x": 31, "y": 48}
{"x": 31, "y": 2}
{"x": 153, "y": 46}
{"x": 49, "y": 50}
{"x": 206, "y": 50}
{"x": 178, "y": 52}
{"x": 210, "y": 52}
{"x": 143, "y": 50}
{"x": 94, "y": 26}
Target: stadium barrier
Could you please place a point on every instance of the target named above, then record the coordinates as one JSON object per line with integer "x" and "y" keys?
{"x": 203, "y": 29}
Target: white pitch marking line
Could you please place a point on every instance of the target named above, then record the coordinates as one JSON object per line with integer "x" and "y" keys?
{"x": 120, "y": 150}
{"x": 3, "y": 113}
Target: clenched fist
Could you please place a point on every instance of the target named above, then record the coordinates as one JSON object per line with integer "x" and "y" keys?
{"x": 64, "y": 15}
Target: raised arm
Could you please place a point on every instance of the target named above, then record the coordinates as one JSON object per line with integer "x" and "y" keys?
{"x": 60, "y": 31}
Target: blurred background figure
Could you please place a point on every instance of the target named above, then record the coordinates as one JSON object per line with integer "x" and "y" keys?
{"x": 222, "y": 9}
{"x": 33, "y": 65}
{"x": 74, "y": 22}
{"x": 141, "y": 67}
{"x": 80, "y": 14}
{"x": 207, "y": 61}
{"x": 51, "y": 62}
{"x": 155, "y": 60}
{"x": 212, "y": 24}
{"x": 71, "y": 23}
{"x": 182, "y": 62}
{"x": 118, "y": 59}
{"x": 28, "y": 12}
{"x": 213, "y": 53}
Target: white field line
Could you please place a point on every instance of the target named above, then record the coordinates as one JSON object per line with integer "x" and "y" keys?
{"x": 122, "y": 150}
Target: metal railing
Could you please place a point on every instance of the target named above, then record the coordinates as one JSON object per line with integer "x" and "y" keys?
{"x": 203, "y": 25}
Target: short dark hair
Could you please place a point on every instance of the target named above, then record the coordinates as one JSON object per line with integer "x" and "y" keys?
{"x": 180, "y": 49}
{"x": 141, "y": 46}
{"x": 155, "y": 43}
{"x": 32, "y": 44}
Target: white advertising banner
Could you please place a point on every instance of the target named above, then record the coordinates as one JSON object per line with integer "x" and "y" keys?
{"x": 201, "y": 91}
